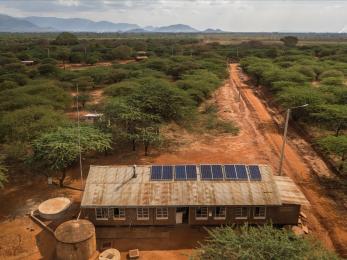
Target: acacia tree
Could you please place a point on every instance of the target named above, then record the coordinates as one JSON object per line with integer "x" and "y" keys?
{"x": 128, "y": 119}
{"x": 59, "y": 149}
{"x": 149, "y": 136}
{"x": 333, "y": 116}
{"x": 254, "y": 243}
{"x": 336, "y": 145}
{"x": 289, "y": 41}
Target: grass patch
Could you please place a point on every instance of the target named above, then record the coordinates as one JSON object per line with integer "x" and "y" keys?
{"x": 208, "y": 121}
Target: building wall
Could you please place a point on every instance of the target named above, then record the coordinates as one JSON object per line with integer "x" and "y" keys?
{"x": 285, "y": 214}
{"x": 131, "y": 218}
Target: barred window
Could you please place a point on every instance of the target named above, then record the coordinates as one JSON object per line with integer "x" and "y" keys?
{"x": 117, "y": 213}
{"x": 259, "y": 212}
{"x": 201, "y": 213}
{"x": 162, "y": 213}
{"x": 241, "y": 213}
{"x": 142, "y": 213}
{"x": 101, "y": 213}
{"x": 220, "y": 213}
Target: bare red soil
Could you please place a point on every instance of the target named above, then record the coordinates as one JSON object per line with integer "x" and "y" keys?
{"x": 259, "y": 141}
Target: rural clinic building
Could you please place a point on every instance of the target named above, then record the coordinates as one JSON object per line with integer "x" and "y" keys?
{"x": 190, "y": 194}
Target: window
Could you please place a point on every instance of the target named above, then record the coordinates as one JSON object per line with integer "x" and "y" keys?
{"x": 241, "y": 213}
{"x": 142, "y": 213}
{"x": 162, "y": 213}
{"x": 220, "y": 213}
{"x": 118, "y": 213}
{"x": 259, "y": 212}
{"x": 201, "y": 213}
{"x": 101, "y": 213}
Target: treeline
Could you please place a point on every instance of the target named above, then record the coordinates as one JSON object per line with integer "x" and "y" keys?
{"x": 314, "y": 75}
{"x": 140, "y": 96}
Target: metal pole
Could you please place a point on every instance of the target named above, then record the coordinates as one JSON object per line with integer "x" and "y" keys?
{"x": 284, "y": 142}
{"x": 79, "y": 136}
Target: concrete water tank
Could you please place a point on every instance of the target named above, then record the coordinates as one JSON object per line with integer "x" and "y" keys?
{"x": 54, "y": 208}
{"x": 75, "y": 240}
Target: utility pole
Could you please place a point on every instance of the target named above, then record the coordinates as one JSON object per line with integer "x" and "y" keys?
{"x": 285, "y": 137}
{"x": 284, "y": 142}
{"x": 48, "y": 54}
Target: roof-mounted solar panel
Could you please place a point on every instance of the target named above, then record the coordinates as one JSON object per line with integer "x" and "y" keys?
{"x": 167, "y": 173}
{"x": 206, "y": 172}
{"x": 191, "y": 172}
{"x": 217, "y": 172}
{"x": 230, "y": 172}
{"x": 156, "y": 172}
{"x": 241, "y": 172}
{"x": 180, "y": 172}
{"x": 254, "y": 172}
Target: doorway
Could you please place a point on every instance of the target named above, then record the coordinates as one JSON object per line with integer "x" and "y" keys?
{"x": 182, "y": 215}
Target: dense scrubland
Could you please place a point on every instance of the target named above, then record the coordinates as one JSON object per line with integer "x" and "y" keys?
{"x": 179, "y": 75}
{"x": 139, "y": 96}
{"x": 314, "y": 75}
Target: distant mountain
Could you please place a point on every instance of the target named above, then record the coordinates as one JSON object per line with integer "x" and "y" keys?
{"x": 209, "y": 30}
{"x": 150, "y": 28}
{"x": 80, "y": 25}
{"x": 176, "y": 28}
{"x": 54, "y": 24}
{"x": 11, "y": 24}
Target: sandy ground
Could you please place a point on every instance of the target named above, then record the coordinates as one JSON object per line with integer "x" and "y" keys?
{"x": 82, "y": 66}
{"x": 259, "y": 141}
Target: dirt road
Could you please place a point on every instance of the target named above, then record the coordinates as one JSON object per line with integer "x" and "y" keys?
{"x": 260, "y": 141}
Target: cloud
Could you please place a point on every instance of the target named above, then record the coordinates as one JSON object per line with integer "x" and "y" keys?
{"x": 233, "y": 15}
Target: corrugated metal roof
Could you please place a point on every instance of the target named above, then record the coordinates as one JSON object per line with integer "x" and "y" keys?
{"x": 114, "y": 186}
{"x": 289, "y": 192}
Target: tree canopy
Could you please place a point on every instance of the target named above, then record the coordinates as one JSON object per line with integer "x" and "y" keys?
{"x": 260, "y": 243}
{"x": 59, "y": 149}
{"x": 66, "y": 38}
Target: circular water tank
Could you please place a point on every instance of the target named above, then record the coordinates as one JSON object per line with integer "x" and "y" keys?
{"x": 110, "y": 254}
{"x": 75, "y": 240}
{"x": 54, "y": 208}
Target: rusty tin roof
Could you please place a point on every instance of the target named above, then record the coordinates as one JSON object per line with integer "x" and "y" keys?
{"x": 289, "y": 192}
{"x": 112, "y": 186}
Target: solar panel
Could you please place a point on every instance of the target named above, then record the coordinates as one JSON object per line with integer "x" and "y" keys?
{"x": 230, "y": 172}
{"x": 217, "y": 172}
{"x": 254, "y": 172}
{"x": 167, "y": 172}
{"x": 206, "y": 172}
{"x": 180, "y": 172}
{"x": 241, "y": 172}
{"x": 156, "y": 172}
{"x": 191, "y": 172}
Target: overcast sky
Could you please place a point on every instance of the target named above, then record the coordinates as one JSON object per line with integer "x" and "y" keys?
{"x": 230, "y": 15}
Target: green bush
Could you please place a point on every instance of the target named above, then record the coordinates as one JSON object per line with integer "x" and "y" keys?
{"x": 260, "y": 243}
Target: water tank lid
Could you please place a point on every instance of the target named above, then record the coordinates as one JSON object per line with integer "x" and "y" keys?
{"x": 74, "y": 231}
{"x": 110, "y": 254}
{"x": 54, "y": 206}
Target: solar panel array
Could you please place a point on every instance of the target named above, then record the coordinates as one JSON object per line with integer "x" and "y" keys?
{"x": 213, "y": 172}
